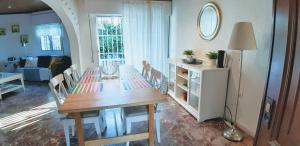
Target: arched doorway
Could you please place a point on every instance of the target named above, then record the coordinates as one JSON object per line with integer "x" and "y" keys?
{"x": 65, "y": 10}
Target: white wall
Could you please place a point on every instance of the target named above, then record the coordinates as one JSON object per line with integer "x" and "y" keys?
{"x": 184, "y": 36}
{"x": 10, "y": 43}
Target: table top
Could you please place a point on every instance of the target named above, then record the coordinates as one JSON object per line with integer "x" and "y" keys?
{"x": 130, "y": 89}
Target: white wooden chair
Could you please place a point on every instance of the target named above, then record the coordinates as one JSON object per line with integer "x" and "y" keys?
{"x": 69, "y": 77}
{"x": 146, "y": 70}
{"x": 140, "y": 113}
{"x": 60, "y": 93}
{"x": 75, "y": 73}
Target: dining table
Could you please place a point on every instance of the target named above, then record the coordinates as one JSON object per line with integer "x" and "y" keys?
{"x": 128, "y": 90}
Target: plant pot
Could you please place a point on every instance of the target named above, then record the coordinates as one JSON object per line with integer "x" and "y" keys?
{"x": 213, "y": 62}
{"x": 190, "y": 59}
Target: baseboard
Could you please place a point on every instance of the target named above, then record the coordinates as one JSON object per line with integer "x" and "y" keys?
{"x": 246, "y": 130}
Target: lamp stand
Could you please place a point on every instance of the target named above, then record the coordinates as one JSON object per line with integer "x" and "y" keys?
{"x": 232, "y": 133}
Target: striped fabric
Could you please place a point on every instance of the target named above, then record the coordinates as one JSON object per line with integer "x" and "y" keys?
{"x": 134, "y": 84}
{"x": 90, "y": 78}
{"x": 129, "y": 79}
{"x": 93, "y": 71}
{"x": 88, "y": 87}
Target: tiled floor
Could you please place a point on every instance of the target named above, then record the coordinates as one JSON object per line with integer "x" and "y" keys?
{"x": 31, "y": 119}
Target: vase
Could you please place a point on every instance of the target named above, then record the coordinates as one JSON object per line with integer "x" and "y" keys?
{"x": 213, "y": 62}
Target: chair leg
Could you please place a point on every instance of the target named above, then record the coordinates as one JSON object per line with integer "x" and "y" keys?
{"x": 157, "y": 126}
{"x": 73, "y": 130}
{"x": 102, "y": 120}
{"x": 128, "y": 129}
{"x": 97, "y": 126}
{"x": 67, "y": 134}
{"x": 123, "y": 125}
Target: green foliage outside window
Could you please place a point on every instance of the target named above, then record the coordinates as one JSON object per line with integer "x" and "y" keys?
{"x": 111, "y": 41}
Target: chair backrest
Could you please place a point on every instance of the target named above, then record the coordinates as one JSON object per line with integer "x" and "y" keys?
{"x": 75, "y": 72}
{"x": 69, "y": 77}
{"x": 155, "y": 78}
{"x": 144, "y": 64}
{"x": 146, "y": 71}
{"x": 58, "y": 89}
{"x": 159, "y": 81}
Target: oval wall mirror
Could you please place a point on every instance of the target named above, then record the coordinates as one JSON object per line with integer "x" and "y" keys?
{"x": 209, "y": 20}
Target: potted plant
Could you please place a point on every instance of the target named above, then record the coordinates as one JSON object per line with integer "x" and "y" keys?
{"x": 213, "y": 57}
{"x": 189, "y": 56}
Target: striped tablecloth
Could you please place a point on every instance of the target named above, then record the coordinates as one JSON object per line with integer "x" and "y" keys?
{"x": 88, "y": 87}
{"x": 91, "y": 81}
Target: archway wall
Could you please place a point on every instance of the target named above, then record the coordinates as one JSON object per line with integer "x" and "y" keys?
{"x": 67, "y": 10}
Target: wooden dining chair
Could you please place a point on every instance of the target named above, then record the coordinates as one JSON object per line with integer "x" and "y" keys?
{"x": 75, "y": 73}
{"x": 69, "y": 77}
{"x": 146, "y": 70}
{"x": 60, "y": 93}
{"x": 140, "y": 113}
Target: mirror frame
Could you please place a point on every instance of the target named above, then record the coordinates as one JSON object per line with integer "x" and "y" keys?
{"x": 218, "y": 13}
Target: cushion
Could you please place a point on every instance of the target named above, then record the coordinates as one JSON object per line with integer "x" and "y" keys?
{"x": 44, "y": 61}
{"x": 31, "y": 62}
{"x": 22, "y": 62}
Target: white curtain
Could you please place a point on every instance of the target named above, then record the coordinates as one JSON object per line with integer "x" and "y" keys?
{"x": 52, "y": 29}
{"x": 146, "y": 33}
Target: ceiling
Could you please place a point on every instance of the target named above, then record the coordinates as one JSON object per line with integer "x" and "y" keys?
{"x": 22, "y": 6}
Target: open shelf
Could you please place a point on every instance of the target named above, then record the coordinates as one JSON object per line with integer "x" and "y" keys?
{"x": 182, "y": 87}
{"x": 184, "y": 76}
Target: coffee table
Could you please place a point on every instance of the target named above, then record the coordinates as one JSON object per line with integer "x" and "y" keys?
{"x": 6, "y": 84}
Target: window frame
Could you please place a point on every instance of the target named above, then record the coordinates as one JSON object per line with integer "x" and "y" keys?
{"x": 97, "y": 35}
{"x": 51, "y": 40}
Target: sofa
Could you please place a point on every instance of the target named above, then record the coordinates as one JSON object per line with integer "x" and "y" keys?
{"x": 42, "y": 68}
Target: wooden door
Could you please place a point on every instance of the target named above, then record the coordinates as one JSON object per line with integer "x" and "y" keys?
{"x": 284, "y": 79}
{"x": 289, "y": 134}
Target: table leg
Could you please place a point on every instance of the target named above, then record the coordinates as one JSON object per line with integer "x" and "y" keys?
{"x": 79, "y": 128}
{"x": 151, "y": 125}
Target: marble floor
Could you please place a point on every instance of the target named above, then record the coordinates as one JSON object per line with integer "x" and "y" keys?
{"x": 30, "y": 119}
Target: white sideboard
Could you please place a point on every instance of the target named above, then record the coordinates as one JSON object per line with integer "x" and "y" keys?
{"x": 200, "y": 89}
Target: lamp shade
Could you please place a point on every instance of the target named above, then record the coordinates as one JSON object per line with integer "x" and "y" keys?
{"x": 242, "y": 37}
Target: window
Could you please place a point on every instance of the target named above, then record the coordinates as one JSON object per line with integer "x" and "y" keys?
{"x": 50, "y": 35}
{"x": 110, "y": 39}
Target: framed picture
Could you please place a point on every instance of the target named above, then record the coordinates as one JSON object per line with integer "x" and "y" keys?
{"x": 2, "y": 31}
{"x": 24, "y": 39}
{"x": 15, "y": 28}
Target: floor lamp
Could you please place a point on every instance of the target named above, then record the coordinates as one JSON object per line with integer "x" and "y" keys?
{"x": 242, "y": 38}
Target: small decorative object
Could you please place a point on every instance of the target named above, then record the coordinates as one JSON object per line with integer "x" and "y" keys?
{"x": 184, "y": 96}
{"x": 213, "y": 57}
{"x": 2, "y": 31}
{"x": 185, "y": 84}
{"x": 24, "y": 39}
{"x": 221, "y": 59}
{"x": 189, "y": 56}
{"x": 15, "y": 28}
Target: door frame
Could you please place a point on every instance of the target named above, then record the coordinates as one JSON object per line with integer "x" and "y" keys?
{"x": 280, "y": 102}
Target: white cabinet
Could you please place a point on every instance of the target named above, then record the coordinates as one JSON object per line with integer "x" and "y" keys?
{"x": 201, "y": 90}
